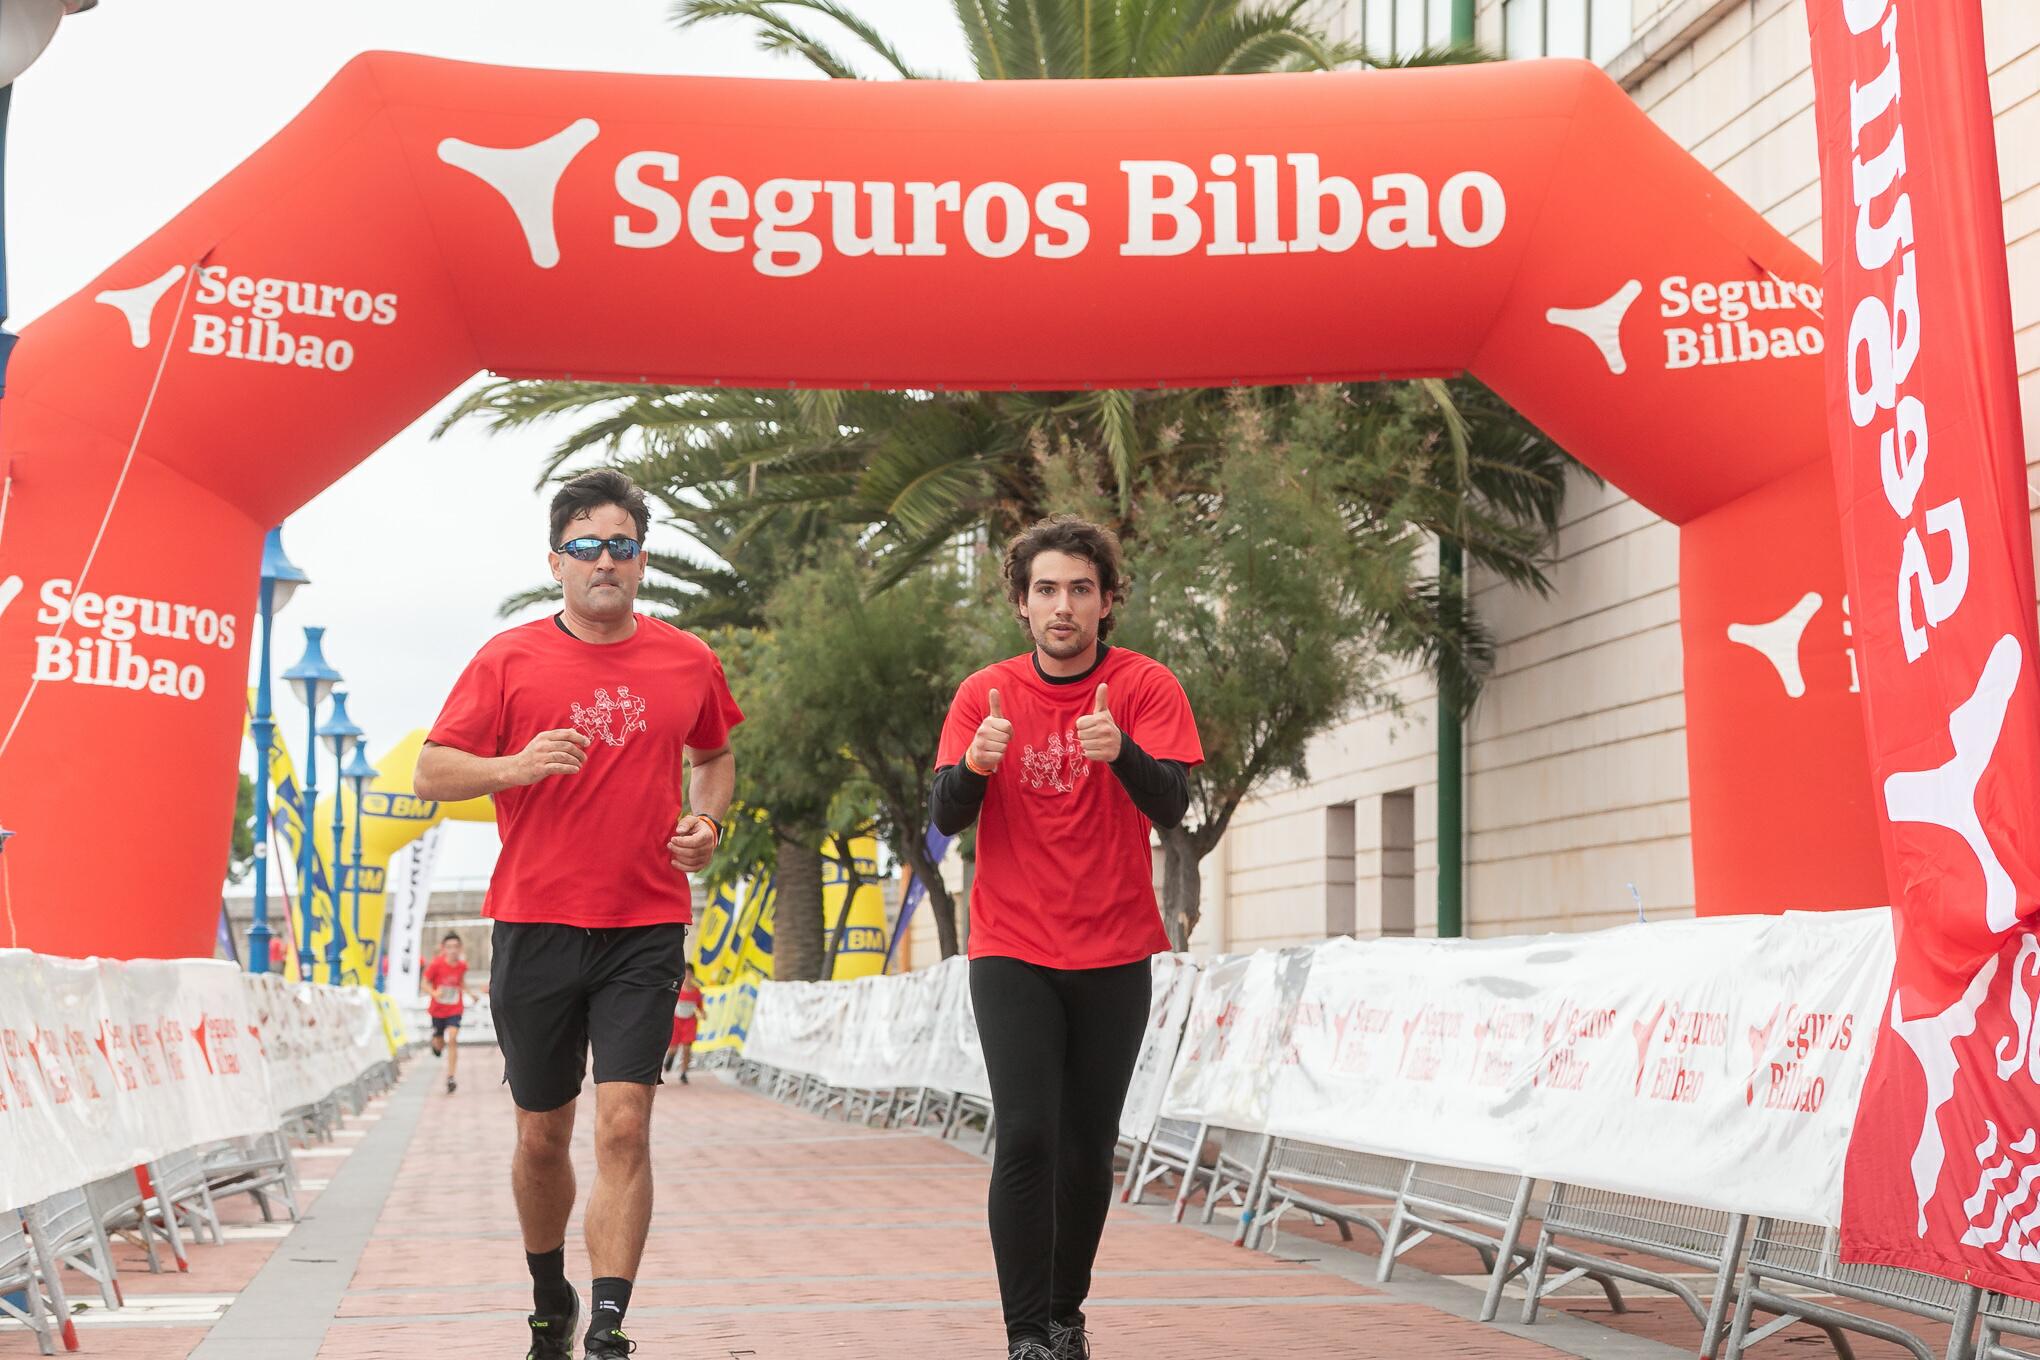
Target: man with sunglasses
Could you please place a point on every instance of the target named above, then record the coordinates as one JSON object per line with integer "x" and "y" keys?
{"x": 577, "y": 725}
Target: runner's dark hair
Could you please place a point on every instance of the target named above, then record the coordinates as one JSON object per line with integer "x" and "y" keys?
{"x": 592, "y": 491}
{"x": 1079, "y": 538}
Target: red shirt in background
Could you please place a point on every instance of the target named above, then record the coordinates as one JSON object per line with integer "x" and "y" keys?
{"x": 589, "y": 848}
{"x": 1065, "y": 875}
{"x": 447, "y": 981}
{"x": 687, "y": 1013}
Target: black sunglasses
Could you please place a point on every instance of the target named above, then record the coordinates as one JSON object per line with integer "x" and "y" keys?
{"x": 589, "y": 549}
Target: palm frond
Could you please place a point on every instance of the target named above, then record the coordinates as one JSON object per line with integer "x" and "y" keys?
{"x": 775, "y": 32}
{"x": 981, "y": 33}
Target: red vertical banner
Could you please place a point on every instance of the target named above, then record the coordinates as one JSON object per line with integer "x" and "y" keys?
{"x": 1944, "y": 1166}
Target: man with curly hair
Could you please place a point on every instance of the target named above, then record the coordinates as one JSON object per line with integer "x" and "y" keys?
{"x": 1065, "y": 756}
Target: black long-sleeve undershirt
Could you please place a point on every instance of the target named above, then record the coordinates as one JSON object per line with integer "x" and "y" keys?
{"x": 1159, "y": 788}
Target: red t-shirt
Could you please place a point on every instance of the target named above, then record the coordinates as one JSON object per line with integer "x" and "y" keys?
{"x": 589, "y": 848}
{"x": 687, "y": 1013}
{"x": 1065, "y": 875}
{"x": 446, "y": 980}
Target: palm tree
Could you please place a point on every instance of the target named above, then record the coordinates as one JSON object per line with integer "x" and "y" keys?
{"x": 1060, "y": 39}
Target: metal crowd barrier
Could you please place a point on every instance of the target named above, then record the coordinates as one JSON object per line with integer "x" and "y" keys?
{"x": 1488, "y": 1211}
{"x": 258, "y": 1167}
{"x": 2000, "y": 1316}
{"x": 69, "y": 1234}
{"x": 26, "y": 1270}
{"x": 1234, "y": 1174}
{"x": 1173, "y": 1146}
{"x": 1295, "y": 1167}
{"x": 1483, "y": 1209}
{"x": 1807, "y": 1255}
{"x": 1707, "y": 1238}
{"x": 161, "y": 1202}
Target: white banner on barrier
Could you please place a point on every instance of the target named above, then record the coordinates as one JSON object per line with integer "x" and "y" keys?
{"x": 107, "y": 1065}
{"x": 1237, "y": 1039}
{"x": 1175, "y": 979}
{"x": 1715, "y": 1063}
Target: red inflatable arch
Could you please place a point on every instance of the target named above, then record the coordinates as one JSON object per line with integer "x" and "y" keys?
{"x": 424, "y": 219}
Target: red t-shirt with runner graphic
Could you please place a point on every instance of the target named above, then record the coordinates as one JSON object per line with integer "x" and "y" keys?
{"x": 589, "y": 848}
{"x": 1065, "y": 875}
{"x": 446, "y": 981}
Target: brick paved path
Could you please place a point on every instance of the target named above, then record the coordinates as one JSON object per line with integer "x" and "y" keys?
{"x": 779, "y": 1236}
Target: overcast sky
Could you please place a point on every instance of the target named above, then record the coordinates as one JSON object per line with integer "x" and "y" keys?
{"x": 139, "y": 106}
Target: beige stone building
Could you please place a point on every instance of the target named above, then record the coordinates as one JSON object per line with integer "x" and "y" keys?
{"x": 1575, "y": 758}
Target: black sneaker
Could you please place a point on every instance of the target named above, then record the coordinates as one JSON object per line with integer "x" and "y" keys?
{"x": 603, "y": 1345}
{"x": 1069, "y": 1340}
{"x": 683, "y": 1078}
{"x": 449, "y": 1086}
{"x": 1028, "y": 1350}
{"x": 552, "y": 1338}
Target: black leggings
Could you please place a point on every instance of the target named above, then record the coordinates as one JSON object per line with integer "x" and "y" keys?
{"x": 1060, "y": 1045}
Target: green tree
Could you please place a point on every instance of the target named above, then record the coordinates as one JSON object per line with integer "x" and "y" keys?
{"x": 796, "y": 786}
{"x": 879, "y": 668}
{"x": 1277, "y": 601}
{"x": 241, "y": 845}
{"x": 1066, "y": 40}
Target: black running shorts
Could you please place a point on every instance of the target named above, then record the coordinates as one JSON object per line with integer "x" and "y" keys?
{"x": 556, "y": 990}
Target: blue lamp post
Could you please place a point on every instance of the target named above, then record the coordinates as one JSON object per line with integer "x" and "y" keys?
{"x": 313, "y": 680}
{"x": 359, "y": 774}
{"x": 280, "y": 580}
{"x": 339, "y": 733}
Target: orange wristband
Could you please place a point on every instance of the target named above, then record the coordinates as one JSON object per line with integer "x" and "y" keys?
{"x": 971, "y": 765}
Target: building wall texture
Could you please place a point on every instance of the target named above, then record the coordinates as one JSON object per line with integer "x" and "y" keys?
{"x": 1575, "y": 756}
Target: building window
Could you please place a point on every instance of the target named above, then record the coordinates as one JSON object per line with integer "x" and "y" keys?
{"x": 1399, "y": 862}
{"x": 1595, "y": 29}
{"x": 1402, "y": 28}
{"x": 1342, "y": 822}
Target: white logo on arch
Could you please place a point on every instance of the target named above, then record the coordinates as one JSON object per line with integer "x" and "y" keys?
{"x": 1779, "y": 640}
{"x": 1602, "y": 323}
{"x": 528, "y": 177}
{"x": 138, "y": 304}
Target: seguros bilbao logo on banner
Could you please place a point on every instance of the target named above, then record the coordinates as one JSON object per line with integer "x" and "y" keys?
{"x": 1254, "y": 203}
{"x": 113, "y": 640}
{"x": 258, "y": 319}
{"x": 1724, "y": 321}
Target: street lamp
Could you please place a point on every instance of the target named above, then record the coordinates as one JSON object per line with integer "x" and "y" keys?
{"x": 313, "y": 680}
{"x": 280, "y": 580}
{"x": 339, "y": 734}
{"x": 359, "y": 774}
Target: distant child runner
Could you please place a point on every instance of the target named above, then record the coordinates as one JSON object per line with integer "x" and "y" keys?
{"x": 686, "y": 1023}
{"x": 444, "y": 984}
{"x": 1064, "y": 756}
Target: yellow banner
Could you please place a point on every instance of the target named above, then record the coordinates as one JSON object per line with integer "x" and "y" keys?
{"x": 726, "y": 1016}
{"x": 391, "y": 817}
{"x": 733, "y": 928}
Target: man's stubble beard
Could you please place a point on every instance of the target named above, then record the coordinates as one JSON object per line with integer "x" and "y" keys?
{"x": 1063, "y": 651}
{"x": 607, "y": 605}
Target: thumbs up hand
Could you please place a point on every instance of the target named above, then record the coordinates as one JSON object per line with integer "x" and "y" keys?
{"x": 1096, "y": 732}
{"x": 988, "y": 747}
